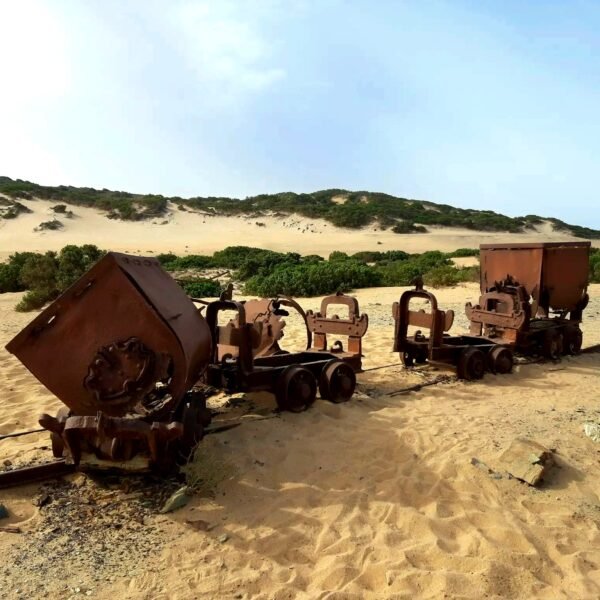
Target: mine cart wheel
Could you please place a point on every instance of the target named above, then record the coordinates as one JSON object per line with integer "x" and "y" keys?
{"x": 296, "y": 389}
{"x": 471, "y": 364}
{"x": 573, "y": 339}
{"x": 195, "y": 417}
{"x": 407, "y": 358}
{"x": 552, "y": 344}
{"x": 337, "y": 381}
{"x": 421, "y": 356}
{"x": 500, "y": 360}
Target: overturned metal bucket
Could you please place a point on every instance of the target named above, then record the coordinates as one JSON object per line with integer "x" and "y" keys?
{"x": 122, "y": 340}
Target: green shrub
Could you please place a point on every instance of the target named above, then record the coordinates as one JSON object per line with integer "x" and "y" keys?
{"x": 10, "y": 278}
{"x": 34, "y": 300}
{"x": 14, "y": 210}
{"x": 191, "y": 261}
{"x": 53, "y": 225}
{"x": 464, "y": 252}
{"x": 314, "y": 279}
{"x": 443, "y": 276}
{"x": 40, "y": 272}
{"x": 201, "y": 288}
{"x": 74, "y": 261}
{"x": 405, "y": 272}
{"x": 45, "y": 276}
{"x": 408, "y": 227}
{"x": 337, "y": 255}
{"x": 165, "y": 259}
{"x": 371, "y": 256}
{"x": 471, "y": 274}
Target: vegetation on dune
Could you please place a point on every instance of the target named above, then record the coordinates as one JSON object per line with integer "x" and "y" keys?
{"x": 11, "y": 209}
{"x": 201, "y": 287}
{"x": 268, "y": 273}
{"x": 263, "y": 272}
{"x": 53, "y": 225}
{"x": 339, "y": 207}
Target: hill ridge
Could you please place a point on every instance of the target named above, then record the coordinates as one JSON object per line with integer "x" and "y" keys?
{"x": 342, "y": 208}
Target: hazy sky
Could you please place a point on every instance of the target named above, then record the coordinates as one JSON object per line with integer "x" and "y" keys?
{"x": 476, "y": 104}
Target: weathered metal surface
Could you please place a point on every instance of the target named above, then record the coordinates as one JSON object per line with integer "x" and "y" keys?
{"x": 26, "y": 475}
{"x": 266, "y": 317}
{"x": 533, "y": 296}
{"x": 471, "y": 355}
{"x": 291, "y": 376}
{"x": 122, "y": 339}
{"x": 555, "y": 275}
{"x": 353, "y": 327}
{"x": 111, "y": 438}
{"x": 501, "y": 313}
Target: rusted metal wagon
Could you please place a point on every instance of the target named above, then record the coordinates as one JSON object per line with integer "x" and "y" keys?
{"x": 533, "y": 296}
{"x": 122, "y": 348}
{"x": 471, "y": 355}
{"x": 292, "y": 376}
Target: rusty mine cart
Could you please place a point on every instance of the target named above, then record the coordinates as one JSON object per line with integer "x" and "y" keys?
{"x": 246, "y": 355}
{"x": 533, "y": 296}
{"x": 471, "y": 355}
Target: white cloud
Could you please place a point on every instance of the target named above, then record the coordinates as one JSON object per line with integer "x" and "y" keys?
{"x": 226, "y": 52}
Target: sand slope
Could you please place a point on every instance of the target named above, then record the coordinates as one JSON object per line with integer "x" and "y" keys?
{"x": 189, "y": 232}
{"x": 373, "y": 499}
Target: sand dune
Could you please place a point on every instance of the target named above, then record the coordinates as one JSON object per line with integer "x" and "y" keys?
{"x": 373, "y": 499}
{"x": 188, "y": 232}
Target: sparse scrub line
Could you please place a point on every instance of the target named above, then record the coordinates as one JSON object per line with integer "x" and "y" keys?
{"x": 263, "y": 272}
{"x": 46, "y": 276}
{"x": 359, "y": 209}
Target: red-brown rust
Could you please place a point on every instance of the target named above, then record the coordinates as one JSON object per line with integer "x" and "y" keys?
{"x": 353, "y": 327}
{"x": 113, "y": 336}
{"x": 533, "y": 295}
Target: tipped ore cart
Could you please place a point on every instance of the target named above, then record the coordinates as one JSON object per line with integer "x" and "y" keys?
{"x": 129, "y": 355}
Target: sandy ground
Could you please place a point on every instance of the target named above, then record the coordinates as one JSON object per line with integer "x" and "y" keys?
{"x": 376, "y": 498}
{"x": 188, "y": 232}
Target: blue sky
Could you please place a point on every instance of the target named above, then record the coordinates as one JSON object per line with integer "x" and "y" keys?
{"x": 475, "y": 104}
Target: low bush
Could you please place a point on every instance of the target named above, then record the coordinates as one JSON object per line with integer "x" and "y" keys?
{"x": 45, "y": 276}
{"x": 464, "y": 252}
{"x": 313, "y": 279}
{"x": 201, "y": 288}
{"x": 53, "y": 225}
{"x": 408, "y": 227}
{"x": 183, "y": 263}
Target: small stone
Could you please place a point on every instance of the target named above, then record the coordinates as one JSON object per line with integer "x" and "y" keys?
{"x": 177, "y": 500}
{"x": 3, "y": 512}
{"x": 7, "y": 463}
{"x": 223, "y": 538}
{"x": 389, "y": 577}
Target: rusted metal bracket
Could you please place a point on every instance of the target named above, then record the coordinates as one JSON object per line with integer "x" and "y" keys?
{"x": 354, "y": 327}
{"x": 26, "y": 475}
